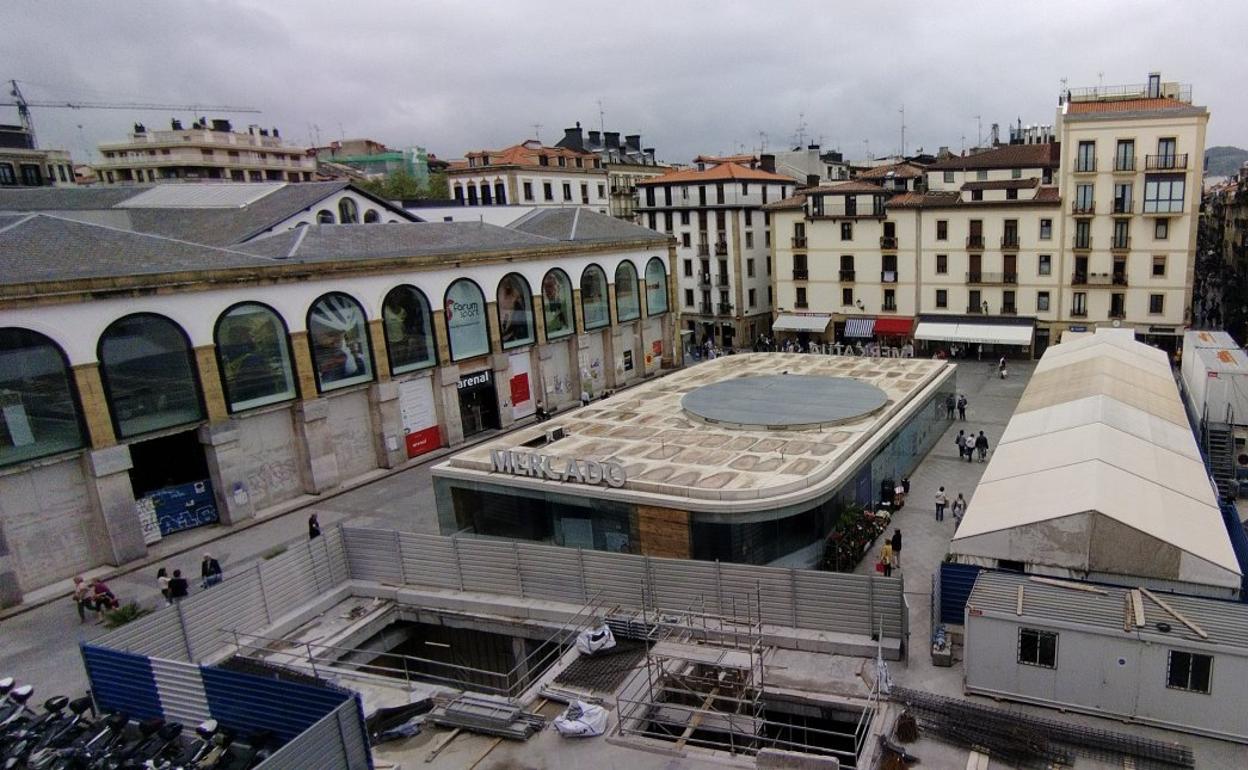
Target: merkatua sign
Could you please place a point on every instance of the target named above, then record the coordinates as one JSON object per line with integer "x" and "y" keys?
{"x": 556, "y": 468}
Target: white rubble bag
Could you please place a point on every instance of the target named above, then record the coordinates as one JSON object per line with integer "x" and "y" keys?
{"x": 595, "y": 640}
{"x": 582, "y": 720}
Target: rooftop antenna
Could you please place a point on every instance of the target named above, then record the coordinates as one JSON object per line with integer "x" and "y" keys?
{"x": 602, "y": 117}
{"x": 537, "y": 131}
{"x": 979, "y": 130}
{"x": 903, "y": 130}
{"x": 867, "y": 143}
{"x": 316, "y": 132}
{"x": 762, "y": 141}
{"x": 1100, "y": 81}
{"x": 801, "y": 129}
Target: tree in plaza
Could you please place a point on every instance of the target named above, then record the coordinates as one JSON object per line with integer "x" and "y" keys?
{"x": 401, "y": 185}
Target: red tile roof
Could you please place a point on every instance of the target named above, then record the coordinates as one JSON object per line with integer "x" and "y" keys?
{"x": 524, "y": 154}
{"x": 1003, "y": 184}
{"x": 1125, "y": 105}
{"x": 718, "y": 173}
{"x": 740, "y": 159}
{"x": 1005, "y": 156}
{"x": 847, "y": 188}
{"x": 944, "y": 200}
{"x": 894, "y": 170}
{"x": 1047, "y": 194}
{"x": 791, "y": 202}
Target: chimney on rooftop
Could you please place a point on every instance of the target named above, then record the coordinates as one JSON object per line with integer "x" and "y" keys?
{"x": 649, "y": 151}
{"x": 1154, "y": 85}
{"x": 633, "y": 142}
{"x": 768, "y": 162}
{"x": 595, "y": 139}
{"x": 612, "y": 139}
{"x": 812, "y": 180}
{"x": 812, "y": 147}
{"x": 572, "y": 137}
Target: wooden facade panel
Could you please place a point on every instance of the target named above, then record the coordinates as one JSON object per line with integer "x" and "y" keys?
{"x": 663, "y": 532}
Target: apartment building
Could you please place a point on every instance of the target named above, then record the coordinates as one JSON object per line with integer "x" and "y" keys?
{"x": 22, "y": 164}
{"x": 723, "y": 244}
{"x": 1006, "y": 248}
{"x": 209, "y": 151}
{"x": 530, "y": 174}
{"x": 626, "y": 164}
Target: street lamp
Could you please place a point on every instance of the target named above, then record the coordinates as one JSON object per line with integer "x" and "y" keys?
{"x": 861, "y": 306}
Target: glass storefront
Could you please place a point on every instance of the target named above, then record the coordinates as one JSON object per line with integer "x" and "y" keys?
{"x": 38, "y": 411}
{"x": 149, "y": 375}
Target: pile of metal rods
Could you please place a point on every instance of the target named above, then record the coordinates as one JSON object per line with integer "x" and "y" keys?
{"x": 1030, "y": 741}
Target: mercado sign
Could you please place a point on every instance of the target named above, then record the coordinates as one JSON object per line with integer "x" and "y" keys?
{"x": 545, "y": 467}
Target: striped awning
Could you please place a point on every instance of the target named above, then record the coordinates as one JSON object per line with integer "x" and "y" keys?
{"x": 860, "y": 327}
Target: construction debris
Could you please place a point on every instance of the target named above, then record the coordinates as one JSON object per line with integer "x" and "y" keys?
{"x": 1175, "y": 614}
{"x": 487, "y": 715}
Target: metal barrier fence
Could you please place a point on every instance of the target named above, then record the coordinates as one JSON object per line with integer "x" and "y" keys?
{"x": 824, "y": 601}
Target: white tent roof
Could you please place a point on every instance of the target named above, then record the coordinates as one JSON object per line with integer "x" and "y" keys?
{"x": 1099, "y": 433}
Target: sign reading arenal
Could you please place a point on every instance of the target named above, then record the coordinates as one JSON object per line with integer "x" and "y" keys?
{"x": 571, "y": 469}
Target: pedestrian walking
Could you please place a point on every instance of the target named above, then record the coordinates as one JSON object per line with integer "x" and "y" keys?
{"x": 209, "y": 571}
{"x": 584, "y": 398}
{"x": 960, "y": 441}
{"x": 886, "y": 558}
{"x": 899, "y": 496}
{"x": 941, "y": 502}
{"x": 103, "y": 597}
{"x": 959, "y": 510}
{"x": 162, "y": 582}
{"x": 314, "y": 527}
{"x": 951, "y": 405}
{"x": 970, "y": 447}
{"x": 896, "y": 543}
{"x": 962, "y": 407}
{"x": 178, "y": 587}
{"x": 981, "y": 445}
{"x": 1001, "y": 368}
{"x": 82, "y": 598}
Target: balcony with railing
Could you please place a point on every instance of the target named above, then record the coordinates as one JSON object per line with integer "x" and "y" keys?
{"x": 1121, "y": 207}
{"x": 704, "y": 308}
{"x": 1117, "y": 311}
{"x": 704, "y": 280}
{"x": 1122, "y": 243}
{"x": 801, "y": 304}
{"x": 1098, "y": 279}
{"x": 1009, "y": 242}
{"x": 799, "y": 242}
{"x": 1085, "y": 165}
{"x": 974, "y": 309}
{"x": 1083, "y": 208}
{"x": 1009, "y": 310}
{"x": 1082, "y": 244}
{"x": 847, "y": 276}
{"x": 975, "y": 242}
{"x": 888, "y": 276}
{"x": 1079, "y": 312}
{"x": 1165, "y": 162}
{"x": 704, "y": 249}
{"x": 724, "y": 308}
{"x": 1124, "y": 165}
{"x": 721, "y": 279}
{"x": 991, "y": 278}
{"x": 889, "y": 307}
{"x": 888, "y": 242}
{"x": 800, "y": 274}
{"x": 721, "y": 248}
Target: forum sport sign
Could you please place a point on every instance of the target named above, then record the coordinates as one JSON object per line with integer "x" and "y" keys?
{"x": 556, "y": 469}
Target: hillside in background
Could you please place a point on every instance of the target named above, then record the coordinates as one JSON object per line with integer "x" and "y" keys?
{"x": 1224, "y": 161}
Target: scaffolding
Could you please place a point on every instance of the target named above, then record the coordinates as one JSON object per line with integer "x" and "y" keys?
{"x": 703, "y": 684}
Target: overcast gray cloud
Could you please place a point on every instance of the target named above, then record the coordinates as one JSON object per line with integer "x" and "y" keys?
{"x": 691, "y": 77}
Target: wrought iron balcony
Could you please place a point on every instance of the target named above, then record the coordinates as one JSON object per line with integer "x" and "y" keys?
{"x": 1009, "y": 310}
{"x": 993, "y": 278}
{"x": 974, "y": 241}
{"x": 1165, "y": 162}
{"x": 724, "y": 308}
{"x": 799, "y": 243}
{"x": 1120, "y": 244}
{"x": 1009, "y": 241}
{"x": 721, "y": 279}
{"x": 1124, "y": 165}
{"x": 1083, "y": 209}
{"x": 847, "y": 276}
{"x": 721, "y": 249}
{"x": 888, "y": 276}
{"x": 888, "y": 242}
{"x": 800, "y": 274}
{"x": 704, "y": 249}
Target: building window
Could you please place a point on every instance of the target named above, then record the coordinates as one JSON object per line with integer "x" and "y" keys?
{"x": 567, "y": 189}
{"x": 801, "y": 296}
{"x": 594, "y": 306}
{"x": 981, "y": 175}
{"x": 325, "y": 217}
{"x": 1161, "y": 229}
{"x": 408, "y": 326}
{"x": 514, "y": 304}
{"x": 627, "y": 295}
{"x": 688, "y": 297}
{"x": 1042, "y": 301}
{"x": 653, "y": 219}
{"x": 1122, "y": 198}
{"x": 767, "y": 239}
{"x": 847, "y": 229}
{"x": 254, "y": 357}
{"x": 1046, "y": 229}
{"x": 149, "y": 375}
{"x": 1124, "y": 155}
{"x": 1083, "y": 198}
{"x": 1159, "y": 266}
{"x": 977, "y": 195}
{"x": 371, "y": 217}
{"x": 338, "y": 334}
{"x": 749, "y": 267}
{"x": 749, "y": 218}
{"x": 7, "y": 177}
{"x": 667, "y": 222}
{"x": 1016, "y": 173}
{"x": 528, "y": 191}
{"x": 745, "y": 190}
{"x": 1079, "y": 305}
{"x": 348, "y": 212}
{"x": 1156, "y": 303}
{"x": 847, "y": 296}
{"x": 942, "y": 226}
{"x": 547, "y": 190}
{"x": 684, "y": 217}
{"x": 602, "y": 192}
{"x": 1037, "y": 648}
{"x": 1164, "y": 193}
{"x": 686, "y": 240}
{"x": 656, "y": 287}
{"x": 749, "y": 239}
{"x": 890, "y": 299}
{"x": 1189, "y": 671}
{"x": 768, "y": 265}
{"x": 942, "y": 298}
{"x": 942, "y": 264}
{"x": 563, "y": 161}
{"x": 557, "y": 313}
{"x": 770, "y": 299}
{"x": 1011, "y": 194}
{"x": 585, "y": 195}
{"x": 688, "y": 268}
{"x": 1045, "y": 265}
{"x": 1085, "y": 160}
{"x": 753, "y": 297}
{"x": 949, "y": 177}
{"x": 40, "y": 413}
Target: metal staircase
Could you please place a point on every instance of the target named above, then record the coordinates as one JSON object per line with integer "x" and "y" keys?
{"x": 1220, "y": 456}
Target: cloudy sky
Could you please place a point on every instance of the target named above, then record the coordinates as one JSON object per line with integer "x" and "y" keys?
{"x": 691, "y": 77}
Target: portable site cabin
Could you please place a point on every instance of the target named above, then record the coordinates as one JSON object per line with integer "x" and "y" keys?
{"x": 1215, "y": 376}
{"x": 1098, "y": 477}
{"x": 1110, "y": 652}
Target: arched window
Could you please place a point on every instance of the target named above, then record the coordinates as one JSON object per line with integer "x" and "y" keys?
{"x": 149, "y": 375}
{"x": 500, "y": 193}
{"x": 38, "y": 411}
{"x": 515, "y": 311}
{"x": 254, "y": 356}
{"x": 348, "y": 212}
{"x": 409, "y": 330}
{"x": 627, "y": 300}
{"x": 338, "y": 332}
{"x": 325, "y": 217}
{"x": 557, "y": 310}
{"x": 486, "y": 198}
{"x": 371, "y": 217}
{"x": 466, "y": 327}
{"x": 594, "y": 308}
{"x": 656, "y": 287}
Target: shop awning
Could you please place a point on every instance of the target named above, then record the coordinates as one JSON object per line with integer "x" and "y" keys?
{"x": 897, "y": 327}
{"x": 986, "y": 334}
{"x": 788, "y": 322}
{"x": 860, "y": 327}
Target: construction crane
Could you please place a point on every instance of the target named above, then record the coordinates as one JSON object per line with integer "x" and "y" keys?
{"x": 23, "y": 107}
